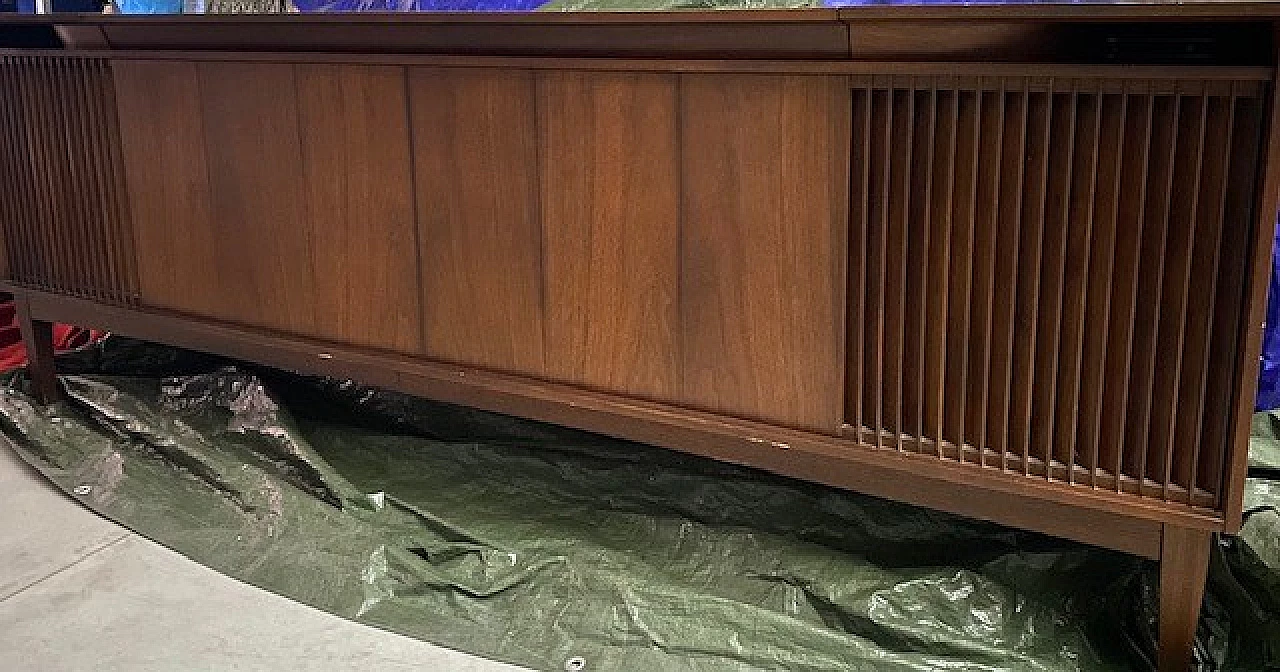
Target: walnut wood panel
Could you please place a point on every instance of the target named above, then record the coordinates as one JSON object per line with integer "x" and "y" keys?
{"x": 765, "y": 164}
{"x": 476, "y": 162}
{"x": 65, "y": 225}
{"x": 258, "y": 206}
{"x": 610, "y": 193}
{"x": 358, "y": 185}
{"x": 162, "y": 133}
{"x": 284, "y": 192}
{"x": 1080, "y": 307}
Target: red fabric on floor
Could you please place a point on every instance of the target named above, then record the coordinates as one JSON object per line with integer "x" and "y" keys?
{"x": 14, "y": 354}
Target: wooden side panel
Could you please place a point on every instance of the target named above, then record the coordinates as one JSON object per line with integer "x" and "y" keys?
{"x": 475, "y": 161}
{"x": 359, "y": 189}
{"x": 162, "y": 138}
{"x": 264, "y": 266}
{"x": 610, "y": 193}
{"x": 765, "y": 173}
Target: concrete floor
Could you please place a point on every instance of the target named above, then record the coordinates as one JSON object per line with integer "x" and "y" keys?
{"x": 78, "y": 592}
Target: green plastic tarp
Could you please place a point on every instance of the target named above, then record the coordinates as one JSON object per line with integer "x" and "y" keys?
{"x": 534, "y": 544}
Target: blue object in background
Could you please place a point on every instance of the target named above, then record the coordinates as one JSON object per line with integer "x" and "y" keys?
{"x": 1269, "y": 377}
{"x": 149, "y": 6}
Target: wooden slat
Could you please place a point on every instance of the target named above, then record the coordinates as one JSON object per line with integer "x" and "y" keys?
{"x": 1178, "y": 270}
{"x": 1202, "y": 291}
{"x": 1062, "y": 177}
{"x": 941, "y": 201}
{"x": 58, "y": 178}
{"x": 15, "y": 178}
{"x": 877, "y": 240}
{"x": 475, "y": 163}
{"x": 61, "y": 151}
{"x": 915, "y": 262}
{"x": 33, "y": 256}
{"x": 1114, "y": 284}
{"x": 45, "y": 175}
{"x": 1088, "y": 173}
{"x": 925, "y": 250}
{"x": 964, "y": 217}
{"x": 91, "y": 187}
{"x": 898, "y": 261}
{"x": 610, "y": 193}
{"x": 982, "y": 283}
{"x": 117, "y": 189}
{"x": 356, "y": 174}
{"x": 1005, "y": 260}
{"x": 765, "y": 163}
{"x": 1036, "y": 181}
{"x": 1166, "y": 135}
{"x": 1246, "y": 143}
{"x": 859, "y": 219}
{"x": 69, "y": 229}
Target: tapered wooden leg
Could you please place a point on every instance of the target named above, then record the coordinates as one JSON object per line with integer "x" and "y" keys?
{"x": 37, "y": 336}
{"x": 1184, "y": 564}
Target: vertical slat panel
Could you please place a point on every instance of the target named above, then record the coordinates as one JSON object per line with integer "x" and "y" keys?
{"x": 1004, "y": 328}
{"x": 1062, "y": 176}
{"x": 1091, "y": 178}
{"x": 877, "y": 242}
{"x": 1220, "y": 111}
{"x": 71, "y": 228}
{"x": 1166, "y": 136}
{"x": 942, "y": 196}
{"x": 101, "y": 223}
{"x": 897, "y": 261}
{"x": 1246, "y": 140}
{"x": 1178, "y": 272}
{"x": 45, "y": 174}
{"x": 92, "y": 187}
{"x": 916, "y": 261}
{"x": 963, "y": 219}
{"x": 1080, "y": 201}
{"x": 59, "y": 222}
{"x": 15, "y": 177}
{"x": 122, "y": 236}
{"x": 859, "y": 220}
{"x": 990, "y": 168}
{"x": 1036, "y": 189}
{"x": 1113, "y": 283}
{"x": 34, "y": 268}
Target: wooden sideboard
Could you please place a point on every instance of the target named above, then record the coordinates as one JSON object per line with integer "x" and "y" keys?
{"x": 1008, "y": 262}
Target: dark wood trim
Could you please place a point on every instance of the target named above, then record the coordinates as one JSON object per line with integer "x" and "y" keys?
{"x": 988, "y": 73}
{"x": 1109, "y": 519}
